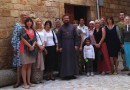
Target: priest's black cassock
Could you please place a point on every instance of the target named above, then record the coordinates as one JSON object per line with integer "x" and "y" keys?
{"x": 67, "y": 40}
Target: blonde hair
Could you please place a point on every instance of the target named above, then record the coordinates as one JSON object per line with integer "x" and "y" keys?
{"x": 98, "y": 21}
{"x": 22, "y": 14}
{"x": 36, "y": 20}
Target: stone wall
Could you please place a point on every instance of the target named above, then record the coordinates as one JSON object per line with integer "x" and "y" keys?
{"x": 114, "y": 7}
{"x": 45, "y": 9}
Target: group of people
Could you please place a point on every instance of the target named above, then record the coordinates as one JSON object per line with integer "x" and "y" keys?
{"x": 70, "y": 49}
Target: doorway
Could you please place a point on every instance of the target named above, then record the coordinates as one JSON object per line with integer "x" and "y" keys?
{"x": 76, "y": 12}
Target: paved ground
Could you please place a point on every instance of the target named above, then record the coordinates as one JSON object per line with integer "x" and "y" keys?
{"x": 97, "y": 82}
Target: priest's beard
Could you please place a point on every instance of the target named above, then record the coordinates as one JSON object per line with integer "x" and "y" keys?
{"x": 66, "y": 22}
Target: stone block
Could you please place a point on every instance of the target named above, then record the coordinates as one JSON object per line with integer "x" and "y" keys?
{"x": 14, "y": 1}
{"x": 55, "y": 4}
{"x": 10, "y": 6}
{"x": 32, "y": 2}
{"x": 7, "y": 1}
{"x": 18, "y": 6}
{"x": 3, "y": 5}
{"x": 14, "y": 13}
{"x": 7, "y": 77}
{"x": 10, "y": 22}
{"x": 6, "y": 62}
{"x": 5, "y": 51}
{"x": 5, "y": 13}
{"x": 36, "y": 8}
{"x": 3, "y": 23}
{"x": 5, "y": 42}
{"x": 5, "y": 33}
{"x": 27, "y": 7}
{"x": 40, "y": 3}
{"x": 47, "y": 3}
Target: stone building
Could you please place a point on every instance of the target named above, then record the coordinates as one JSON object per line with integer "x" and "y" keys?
{"x": 50, "y": 9}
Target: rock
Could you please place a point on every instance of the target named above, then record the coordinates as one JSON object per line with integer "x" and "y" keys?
{"x": 7, "y": 77}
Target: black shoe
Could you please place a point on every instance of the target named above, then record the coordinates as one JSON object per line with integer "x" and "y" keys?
{"x": 52, "y": 78}
{"x": 125, "y": 69}
{"x": 128, "y": 74}
{"x": 73, "y": 77}
{"x": 48, "y": 78}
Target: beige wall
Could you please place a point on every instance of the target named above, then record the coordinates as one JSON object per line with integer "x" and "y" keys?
{"x": 114, "y": 7}
{"x": 45, "y": 9}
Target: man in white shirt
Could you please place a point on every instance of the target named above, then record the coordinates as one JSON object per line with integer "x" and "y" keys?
{"x": 84, "y": 35}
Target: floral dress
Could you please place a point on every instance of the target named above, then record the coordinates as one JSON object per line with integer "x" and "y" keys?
{"x": 16, "y": 44}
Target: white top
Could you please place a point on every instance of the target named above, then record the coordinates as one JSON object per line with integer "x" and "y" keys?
{"x": 50, "y": 41}
{"x": 84, "y": 30}
{"x": 93, "y": 42}
{"x": 42, "y": 35}
{"x": 88, "y": 52}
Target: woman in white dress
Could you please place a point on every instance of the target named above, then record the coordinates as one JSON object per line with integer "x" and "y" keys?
{"x": 38, "y": 67}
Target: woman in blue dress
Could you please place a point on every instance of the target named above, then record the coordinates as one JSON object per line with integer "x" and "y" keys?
{"x": 16, "y": 45}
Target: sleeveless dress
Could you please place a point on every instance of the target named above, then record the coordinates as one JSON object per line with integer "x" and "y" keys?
{"x": 112, "y": 41}
{"x": 102, "y": 65}
{"x": 26, "y": 58}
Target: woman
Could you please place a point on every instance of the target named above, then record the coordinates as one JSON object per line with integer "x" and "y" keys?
{"x": 16, "y": 44}
{"x": 38, "y": 67}
{"x": 91, "y": 30}
{"x": 103, "y": 62}
{"x": 27, "y": 52}
{"x": 127, "y": 41}
{"x": 113, "y": 43}
{"x": 58, "y": 24}
{"x": 51, "y": 46}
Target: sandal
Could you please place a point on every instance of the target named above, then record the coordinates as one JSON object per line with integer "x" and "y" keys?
{"x": 115, "y": 73}
{"x": 26, "y": 86}
{"x": 103, "y": 73}
{"x": 32, "y": 85}
{"x": 16, "y": 85}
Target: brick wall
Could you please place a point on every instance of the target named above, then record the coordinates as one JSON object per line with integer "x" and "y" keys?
{"x": 114, "y": 7}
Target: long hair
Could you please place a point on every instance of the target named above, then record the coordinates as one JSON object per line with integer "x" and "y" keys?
{"x": 27, "y": 20}
{"x": 110, "y": 18}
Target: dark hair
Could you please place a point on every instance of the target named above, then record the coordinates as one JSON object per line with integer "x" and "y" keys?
{"x": 88, "y": 38}
{"x": 48, "y": 22}
{"x": 81, "y": 18}
{"x": 111, "y": 18}
{"x": 84, "y": 43}
{"x": 27, "y": 20}
{"x": 65, "y": 16}
{"x": 122, "y": 12}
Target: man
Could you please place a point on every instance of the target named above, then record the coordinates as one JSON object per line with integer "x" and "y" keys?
{"x": 68, "y": 45}
{"x": 103, "y": 23}
{"x": 121, "y": 26}
{"x": 16, "y": 46}
{"x": 84, "y": 33}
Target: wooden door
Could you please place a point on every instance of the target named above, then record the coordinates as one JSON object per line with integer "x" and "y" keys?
{"x": 69, "y": 10}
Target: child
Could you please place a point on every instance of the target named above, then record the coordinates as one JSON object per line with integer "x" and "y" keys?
{"x": 89, "y": 56}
